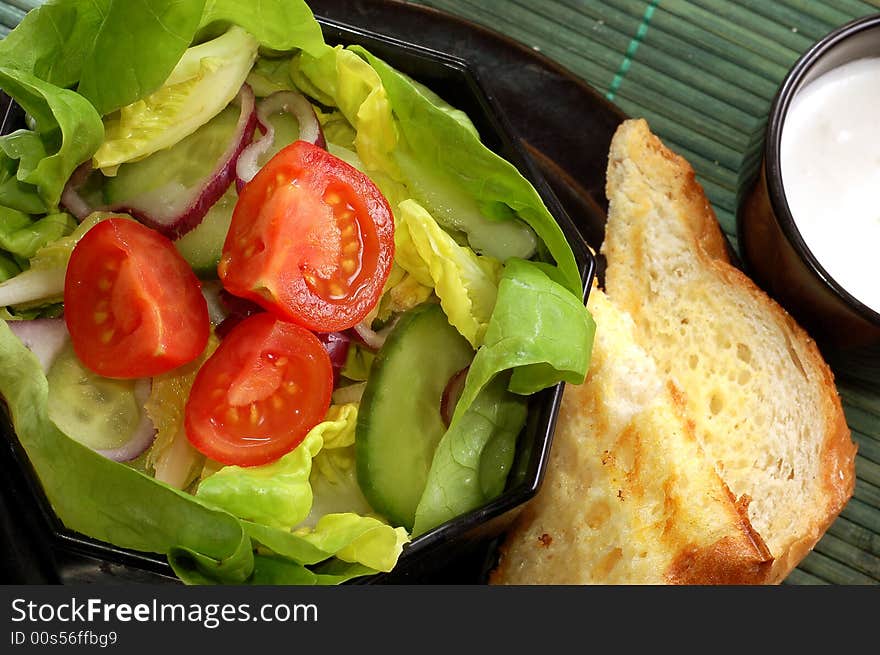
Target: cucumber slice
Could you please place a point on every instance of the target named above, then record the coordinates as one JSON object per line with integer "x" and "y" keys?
{"x": 202, "y": 246}
{"x": 99, "y": 412}
{"x": 399, "y": 421}
{"x": 165, "y": 176}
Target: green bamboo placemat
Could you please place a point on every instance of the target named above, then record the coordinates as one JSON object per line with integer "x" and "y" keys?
{"x": 702, "y": 72}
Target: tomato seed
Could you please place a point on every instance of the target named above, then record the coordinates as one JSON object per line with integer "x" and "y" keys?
{"x": 255, "y": 414}
{"x": 104, "y": 284}
{"x": 232, "y": 415}
{"x": 107, "y": 336}
{"x": 100, "y": 317}
{"x": 281, "y": 361}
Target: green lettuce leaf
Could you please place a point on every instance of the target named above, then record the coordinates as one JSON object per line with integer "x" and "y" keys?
{"x": 53, "y": 40}
{"x": 137, "y": 45}
{"x": 448, "y": 150}
{"x": 465, "y": 282}
{"x": 67, "y": 130}
{"x": 107, "y": 500}
{"x": 204, "y": 544}
{"x": 276, "y": 494}
{"x": 538, "y": 329}
{"x": 474, "y": 457}
{"x": 43, "y": 281}
{"x": 277, "y": 24}
{"x": 202, "y": 84}
{"x": 23, "y": 236}
{"x": 314, "y": 479}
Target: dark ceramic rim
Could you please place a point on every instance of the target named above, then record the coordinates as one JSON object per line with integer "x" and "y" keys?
{"x": 772, "y": 146}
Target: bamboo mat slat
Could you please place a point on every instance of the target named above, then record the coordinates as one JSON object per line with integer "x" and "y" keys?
{"x": 703, "y": 73}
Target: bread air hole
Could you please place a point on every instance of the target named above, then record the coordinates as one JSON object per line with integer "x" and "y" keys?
{"x": 598, "y": 514}
{"x": 716, "y": 404}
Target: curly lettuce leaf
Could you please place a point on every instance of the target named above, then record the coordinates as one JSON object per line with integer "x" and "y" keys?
{"x": 202, "y": 84}
{"x": 276, "y": 494}
{"x": 43, "y": 281}
{"x": 347, "y": 536}
{"x": 67, "y": 130}
{"x": 314, "y": 479}
{"x": 465, "y": 282}
{"x": 23, "y": 236}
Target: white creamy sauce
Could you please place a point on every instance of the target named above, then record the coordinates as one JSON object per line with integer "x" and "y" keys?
{"x": 830, "y": 163}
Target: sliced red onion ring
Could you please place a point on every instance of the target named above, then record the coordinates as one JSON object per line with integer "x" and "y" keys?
{"x": 291, "y": 102}
{"x": 45, "y": 337}
{"x": 451, "y": 394}
{"x": 176, "y": 219}
{"x": 144, "y": 434}
{"x": 171, "y": 212}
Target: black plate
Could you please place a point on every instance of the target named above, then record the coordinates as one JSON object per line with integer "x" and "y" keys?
{"x": 540, "y": 101}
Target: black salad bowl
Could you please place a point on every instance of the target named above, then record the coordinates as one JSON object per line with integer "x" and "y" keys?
{"x": 37, "y": 548}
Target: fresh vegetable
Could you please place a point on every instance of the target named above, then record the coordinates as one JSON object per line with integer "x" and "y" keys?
{"x": 45, "y": 337}
{"x": 267, "y": 384}
{"x": 172, "y": 190}
{"x": 106, "y": 415}
{"x": 203, "y": 83}
{"x": 380, "y": 272}
{"x": 286, "y": 103}
{"x": 311, "y": 239}
{"x": 132, "y": 305}
{"x": 399, "y": 424}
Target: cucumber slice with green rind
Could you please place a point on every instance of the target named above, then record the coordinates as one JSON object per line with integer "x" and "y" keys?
{"x": 399, "y": 421}
{"x": 101, "y": 413}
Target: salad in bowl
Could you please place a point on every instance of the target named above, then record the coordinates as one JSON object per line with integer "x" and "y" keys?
{"x": 271, "y": 308}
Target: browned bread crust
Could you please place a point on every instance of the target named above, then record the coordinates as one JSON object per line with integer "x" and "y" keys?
{"x": 629, "y": 497}
{"x": 775, "y": 427}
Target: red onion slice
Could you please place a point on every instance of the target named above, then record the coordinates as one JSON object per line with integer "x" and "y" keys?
{"x": 451, "y": 394}
{"x": 45, "y": 337}
{"x": 290, "y": 102}
{"x": 70, "y": 198}
{"x": 203, "y": 196}
{"x": 337, "y": 345}
{"x": 179, "y": 214}
{"x": 144, "y": 433}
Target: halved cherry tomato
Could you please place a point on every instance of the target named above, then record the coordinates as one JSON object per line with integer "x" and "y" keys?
{"x": 311, "y": 239}
{"x": 132, "y": 304}
{"x": 255, "y": 399}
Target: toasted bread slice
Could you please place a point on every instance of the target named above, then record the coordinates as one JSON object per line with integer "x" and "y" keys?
{"x": 763, "y": 400}
{"x": 628, "y": 496}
